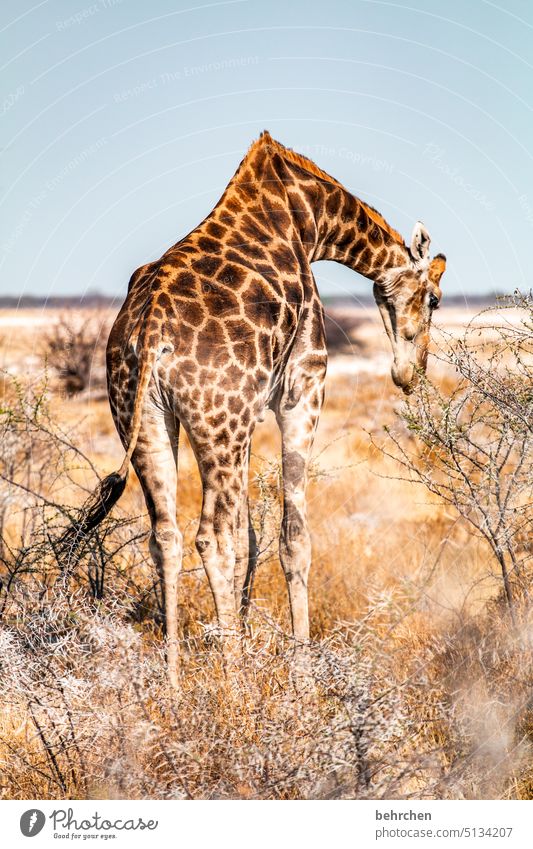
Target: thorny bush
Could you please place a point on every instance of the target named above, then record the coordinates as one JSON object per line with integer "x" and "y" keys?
{"x": 474, "y": 446}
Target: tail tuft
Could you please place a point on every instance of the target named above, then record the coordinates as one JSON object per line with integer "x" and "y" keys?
{"x": 96, "y": 508}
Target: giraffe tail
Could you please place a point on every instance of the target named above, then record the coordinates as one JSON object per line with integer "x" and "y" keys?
{"x": 110, "y": 489}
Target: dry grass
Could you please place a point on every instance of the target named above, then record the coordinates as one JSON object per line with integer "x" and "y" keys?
{"x": 415, "y": 686}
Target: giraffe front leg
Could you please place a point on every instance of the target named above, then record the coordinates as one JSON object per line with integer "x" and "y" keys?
{"x": 297, "y": 415}
{"x": 297, "y": 429}
{"x": 295, "y": 543}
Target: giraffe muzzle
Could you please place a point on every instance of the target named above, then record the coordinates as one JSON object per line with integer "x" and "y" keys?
{"x": 404, "y": 377}
{"x": 410, "y": 361}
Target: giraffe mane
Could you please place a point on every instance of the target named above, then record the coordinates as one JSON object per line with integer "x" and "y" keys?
{"x": 378, "y": 219}
{"x": 265, "y": 139}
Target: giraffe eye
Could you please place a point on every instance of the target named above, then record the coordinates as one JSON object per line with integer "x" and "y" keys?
{"x": 433, "y": 302}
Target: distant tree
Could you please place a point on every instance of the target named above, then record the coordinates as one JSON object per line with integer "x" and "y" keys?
{"x": 75, "y": 348}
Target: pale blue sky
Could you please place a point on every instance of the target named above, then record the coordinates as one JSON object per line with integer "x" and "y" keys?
{"x": 122, "y": 121}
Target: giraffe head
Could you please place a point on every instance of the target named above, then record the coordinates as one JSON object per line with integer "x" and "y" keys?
{"x": 406, "y": 296}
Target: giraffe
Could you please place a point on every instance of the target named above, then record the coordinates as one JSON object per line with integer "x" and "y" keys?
{"x": 227, "y": 324}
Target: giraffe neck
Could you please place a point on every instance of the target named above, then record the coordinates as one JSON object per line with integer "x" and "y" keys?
{"x": 351, "y": 232}
{"x": 354, "y": 234}
{"x": 315, "y": 210}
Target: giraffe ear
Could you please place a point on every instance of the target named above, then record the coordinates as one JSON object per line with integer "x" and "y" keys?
{"x": 420, "y": 241}
{"x": 437, "y": 267}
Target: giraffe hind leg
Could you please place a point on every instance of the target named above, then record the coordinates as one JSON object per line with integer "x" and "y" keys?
{"x": 218, "y": 537}
{"x": 154, "y": 461}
